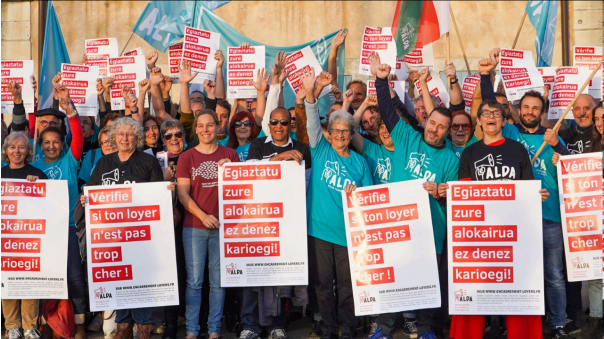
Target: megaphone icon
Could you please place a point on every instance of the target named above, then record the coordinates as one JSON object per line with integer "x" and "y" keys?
{"x": 113, "y": 176}
{"x": 483, "y": 163}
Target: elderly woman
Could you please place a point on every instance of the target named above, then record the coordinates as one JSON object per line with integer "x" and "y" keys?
{"x": 197, "y": 187}
{"x": 242, "y": 130}
{"x": 462, "y": 133}
{"x": 17, "y": 152}
{"x": 128, "y": 165}
{"x": 61, "y": 163}
{"x": 336, "y": 169}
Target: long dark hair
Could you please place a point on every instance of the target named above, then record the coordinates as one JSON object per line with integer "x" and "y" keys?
{"x": 596, "y": 139}
{"x": 255, "y": 130}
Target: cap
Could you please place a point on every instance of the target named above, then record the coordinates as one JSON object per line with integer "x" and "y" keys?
{"x": 50, "y": 111}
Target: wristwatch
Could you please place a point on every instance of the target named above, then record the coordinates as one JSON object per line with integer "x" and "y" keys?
{"x": 454, "y": 81}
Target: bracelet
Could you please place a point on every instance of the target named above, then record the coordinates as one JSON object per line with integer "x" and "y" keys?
{"x": 454, "y": 81}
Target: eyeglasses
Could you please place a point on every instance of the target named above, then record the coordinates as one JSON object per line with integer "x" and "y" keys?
{"x": 488, "y": 113}
{"x": 51, "y": 123}
{"x": 344, "y": 132}
{"x": 283, "y": 122}
{"x": 177, "y": 135}
{"x": 198, "y": 100}
{"x": 103, "y": 143}
{"x": 125, "y": 135}
{"x": 420, "y": 108}
{"x": 457, "y": 127}
{"x": 86, "y": 123}
{"x": 246, "y": 123}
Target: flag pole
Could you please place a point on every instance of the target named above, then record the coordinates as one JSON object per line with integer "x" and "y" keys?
{"x": 448, "y": 57}
{"x": 463, "y": 51}
{"x": 127, "y": 42}
{"x": 557, "y": 126}
{"x": 519, "y": 29}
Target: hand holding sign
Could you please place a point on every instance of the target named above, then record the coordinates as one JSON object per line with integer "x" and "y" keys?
{"x": 15, "y": 90}
{"x": 185, "y": 74}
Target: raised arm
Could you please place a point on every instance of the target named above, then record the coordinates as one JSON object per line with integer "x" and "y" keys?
{"x": 77, "y": 138}
{"x": 382, "y": 89}
{"x": 143, "y": 88}
{"x": 260, "y": 84}
{"x": 313, "y": 122}
{"x": 274, "y": 91}
{"x": 423, "y": 83}
{"x": 185, "y": 78}
{"x": 165, "y": 87}
{"x": 332, "y": 65}
{"x": 220, "y": 91}
{"x": 485, "y": 67}
{"x": 370, "y": 100}
{"x": 19, "y": 119}
{"x": 301, "y": 119}
{"x": 413, "y": 77}
{"x": 323, "y": 80}
{"x": 100, "y": 90}
{"x": 156, "y": 78}
{"x": 131, "y": 102}
{"x": 455, "y": 95}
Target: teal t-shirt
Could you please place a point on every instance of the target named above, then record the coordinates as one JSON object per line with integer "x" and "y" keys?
{"x": 90, "y": 160}
{"x": 379, "y": 160}
{"x": 243, "y": 150}
{"x": 459, "y": 150}
{"x": 330, "y": 173}
{"x": 64, "y": 168}
{"x": 511, "y": 132}
{"x": 224, "y": 142}
{"x": 415, "y": 159}
{"x": 39, "y": 154}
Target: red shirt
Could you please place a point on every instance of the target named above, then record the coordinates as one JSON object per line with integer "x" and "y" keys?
{"x": 202, "y": 169}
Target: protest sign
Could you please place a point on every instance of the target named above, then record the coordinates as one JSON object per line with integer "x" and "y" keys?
{"x": 590, "y": 57}
{"x": 377, "y": 40}
{"x": 495, "y": 256}
{"x": 130, "y": 246}
{"x": 467, "y": 90}
{"x": 126, "y": 71}
{"x": 420, "y": 58}
{"x": 174, "y": 60}
{"x": 397, "y": 86}
{"x": 199, "y": 47}
{"x": 263, "y": 224}
{"x": 567, "y": 83}
{"x": 243, "y": 66}
{"x": 136, "y": 51}
{"x": 81, "y": 82}
{"x": 98, "y": 52}
{"x": 297, "y": 62}
{"x": 549, "y": 78}
{"x": 436, "y": 88}
{"x": 35, "y": 226}
{"x": 21, "y": 72}
{"x": 518, "y": 73}
{"x": 385, "y": 226}
{"x": 580, "y": 185}
{"x": 401, "y": 69}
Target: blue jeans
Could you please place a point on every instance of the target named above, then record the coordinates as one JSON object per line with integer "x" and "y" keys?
{"x": 595, "y": 298}
{"x": 555, "y": 281}
{"x": 201, "y": 244}
{"x": 142, "y": 316}
{"x": 76, "y": 277}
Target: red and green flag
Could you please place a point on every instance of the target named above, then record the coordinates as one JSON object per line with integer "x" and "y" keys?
{"x": 418, "y": 23}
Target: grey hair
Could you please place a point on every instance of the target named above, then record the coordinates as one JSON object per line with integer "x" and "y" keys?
{"x": 435, "y": 100}
{"x": 11, "y": 138}
{"x": 137, "y": 130}
{"x": 169, "y": 124}
{"x": 341, "y": 116}
{"x": 358, "y": 82}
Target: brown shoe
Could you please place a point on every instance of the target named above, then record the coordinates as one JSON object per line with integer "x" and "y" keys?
{"x": 80, "y": 332}
{"x": 144, "y": 331}
{"x": 124, "y": 331}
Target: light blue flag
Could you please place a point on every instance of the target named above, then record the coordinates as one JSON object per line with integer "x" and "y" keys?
{"x": 53, "y": 55}
{"x": 212, "y": 5}
{"x": 543, "y": 16}
{"x": 207, "y": 20}
{"x": 162, "y": 23}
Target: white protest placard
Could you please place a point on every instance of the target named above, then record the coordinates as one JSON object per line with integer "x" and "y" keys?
{"x": 174, "y": 60}
{"x": 420, "y": 58}
{"x": 549, "y": 78}
{"x": 377, "y": 40}
{"x": 590, "y": 57}
{"x": 130, "y": 246}
{"x": 436, "y": 88}
{"x": 518, "y": 73}
{"x": 386, "y": 225}
{"x": 467, "y": 90}
{"x": 19, "y": 71}
{"x": 81, "y": 82}
{"x": 35, "y": 226}
{"x": 242, "y": 67}
{"x": 397, "y": 86}
{"x": 299, "y": 61}
{"x": 495, "y": 256}
{"x": 126, "y": 71}
{"x": 567, "y": 83}
{"x": 580, "y": 185}
{"x": 98, "y": 52}
{"x": 401, "y": 69}
{"x": 136, "y": 51}
{"x": 199, "y": 47}
{"x": 263, "y": 224}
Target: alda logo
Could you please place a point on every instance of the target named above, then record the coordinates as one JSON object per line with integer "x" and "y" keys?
{"x": 462, "y": 296}
{"x": 365, "y": 297}
{"x": 232, "y": 270}
{"x": 578, "y": 263}
{"x": 101, "y": 293}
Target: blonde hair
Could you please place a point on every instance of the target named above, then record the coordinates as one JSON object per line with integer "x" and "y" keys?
{"x": 10, "y": 139}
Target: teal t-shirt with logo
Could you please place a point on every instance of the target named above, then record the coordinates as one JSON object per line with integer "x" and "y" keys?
{"x": 458, "y": 150}
{"x": 379, "y": 160}
{"x": 224, "y": 142}
{"x": 330, "y": 173}
{"x": 415, "y": 159}
{"x": 64, "y": 168}
{"x": 243, "y": 151}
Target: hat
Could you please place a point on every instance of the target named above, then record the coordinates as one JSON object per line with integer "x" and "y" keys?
{"x": 50, "y": 111}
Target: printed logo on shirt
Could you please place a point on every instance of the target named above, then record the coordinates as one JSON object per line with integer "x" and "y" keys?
{"x": 491, "y": 168}
{"x": 53, "y": 173}
{"x": 577, "y": 147}
{"x": 418, "y": 166}
{"x": 539, "y": 164}
{"x": 111, "y": 177}
{"x": 207, "y": 170}
{"x": 332, "y": 175}
{"x": 383, "y": 169}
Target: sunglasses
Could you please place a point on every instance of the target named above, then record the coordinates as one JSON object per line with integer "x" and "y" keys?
{"x": 176, "y": 135}
{"x": 274, "y": 122}
{"x": 457, "y": 127}
{"x": 247, "y": 123}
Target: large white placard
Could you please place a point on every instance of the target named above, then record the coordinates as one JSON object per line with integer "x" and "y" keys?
{"x": 19, "y": 71}
{"x": 589, "y": 57}
{"x": 199, "y": 47}
{"x": 397, "y": 86}
{"x": 35, "y": 226}
{"x": 467, "y": 90}
{"x": 126, "y": 71}
{"x": 567, "y": 83}
{"x": 130, "y": 246}
{"x": 386, "y": 226}
{"x": 174, "y": 60}
{"x": 262, "y": 224}
{"x": 494, "y": 232}
{"x": 98, "y": 52}
{"x": 549, "y": 78}
{"x": 518, "y": 73}
{"x": 580, "y": 185}
{"x": 243, "y": 65}
{"x": 436, "y": 88}
{"x": 299, "y": 61}
{"x": 420, "y": 58}
{"x": 81, "y": 82}
{"x": 381, "y": 41}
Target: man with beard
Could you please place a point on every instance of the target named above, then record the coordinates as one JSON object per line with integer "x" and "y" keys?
{"x": 578, "y": 138}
